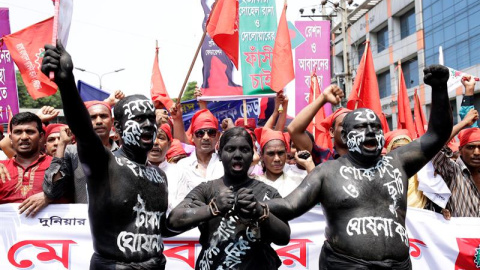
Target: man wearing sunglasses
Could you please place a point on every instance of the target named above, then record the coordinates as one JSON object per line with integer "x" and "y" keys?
{"x": 203, "y": 164}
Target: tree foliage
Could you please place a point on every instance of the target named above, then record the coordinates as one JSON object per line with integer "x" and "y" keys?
{"x": 26, "y": 101}
{"x": 189, "y": 90}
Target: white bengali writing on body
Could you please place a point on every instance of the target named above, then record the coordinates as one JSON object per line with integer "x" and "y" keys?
{"x": 374, "y": 225}
{"x": 138, "y": 242}
{"x": 149, "y": 172}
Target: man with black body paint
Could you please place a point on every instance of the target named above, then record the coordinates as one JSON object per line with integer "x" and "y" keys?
{"x": 127, "y": 200}
{"x": 364, "y": 194}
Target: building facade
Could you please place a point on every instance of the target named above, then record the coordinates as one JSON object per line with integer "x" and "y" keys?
{"x": 410, "y": 31}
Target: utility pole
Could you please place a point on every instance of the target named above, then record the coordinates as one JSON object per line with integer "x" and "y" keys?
{"x": 346, "y": 68}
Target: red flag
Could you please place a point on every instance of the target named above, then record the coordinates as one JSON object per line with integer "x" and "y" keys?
{"x": 158, "y": 91}
{"x": 321, "y": 136}
{"x": 405, "y": 118}
{"x": 222, "y": 26}
{"x": 420, "y": 120}
{"x": 282, "y": 60}
{"x": 27, "y": 50}
{"x": 365, "y": 92}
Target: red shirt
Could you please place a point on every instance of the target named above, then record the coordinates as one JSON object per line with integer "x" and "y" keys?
{"x": 24, "y": 181}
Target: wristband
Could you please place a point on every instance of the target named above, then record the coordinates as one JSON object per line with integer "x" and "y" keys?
{"x": 213, "y": 207}
{"x": 266, "y": 213}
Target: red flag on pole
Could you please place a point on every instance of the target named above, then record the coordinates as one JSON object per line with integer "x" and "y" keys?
{"x": 282, "y": 60}
{"x": 365, "y": 92}
{"x": 27, "y": 50}
{"x": 405, "y": 118}
{"x": 420, "y": 119}
{"x": 158, "y": 91}
{"x": 321, "y": 136}
{"x": 222, "y": 26}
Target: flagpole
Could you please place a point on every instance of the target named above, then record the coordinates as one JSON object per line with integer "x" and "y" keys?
{"x": 245, "y": 112}
{"x": 51, "y": 75}
{"x": 195, "y": 57}
{"x": 314, "y": 98}
{"x": 364, "y": 63}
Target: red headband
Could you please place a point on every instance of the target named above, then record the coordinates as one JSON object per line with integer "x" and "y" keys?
{"x": 175, "y": 149}
{"x": 328, "y": 122}
{"x": 469, "y": 135}
{"x": 203, "y": 119}
{"x": 91, "y": 103}
{"x": 166, "y": 128}
{"x": 250, "y": 123}
{"x": 392, "y": 135}
{"x": 53, "y": 128}
{"x": 264, "y": 135}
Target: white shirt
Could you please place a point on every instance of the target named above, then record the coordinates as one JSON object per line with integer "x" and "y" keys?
{"x": 193, "y": 176}
{"x": 175, "y": 177}
{"x": 287, "y": 182}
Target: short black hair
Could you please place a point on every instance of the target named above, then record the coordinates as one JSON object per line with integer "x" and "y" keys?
{"x": 26, "y": 117}
{"x": 235, "y": 132}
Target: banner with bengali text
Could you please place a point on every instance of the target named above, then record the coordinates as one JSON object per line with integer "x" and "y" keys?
{"x": 314, "y": 52}
{"x": 258, "y": 25}
{"x": 8, "y": 81}
{"x": 59, "y": 238}
{"x": 221, "y": 109}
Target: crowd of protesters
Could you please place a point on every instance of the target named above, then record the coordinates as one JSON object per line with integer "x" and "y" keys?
{"x": 222, "y": 173}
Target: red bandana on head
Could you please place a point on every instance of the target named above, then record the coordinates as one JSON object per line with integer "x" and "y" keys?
{"x": 175, "y": 149}
{"x": 91, "y": 103}
{"x": 166, "y": 128}
{"x": 469, "y": 135}
{"x": 250, "y": 123}
{"x": 264, "y": 135}
{"x": 203, "y": 119}
{"x": 53, "y": 128}
{"x": 328, "y": 122}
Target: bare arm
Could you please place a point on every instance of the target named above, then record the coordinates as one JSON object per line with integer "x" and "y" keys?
{"x": 416, "y": 154}
{"x": 470, "y": 118}
{"x": 301, "y": 199}
{"x": 178, "y": 126}
{"x": 297, "y": 127}
{"x": 282, "y": 118}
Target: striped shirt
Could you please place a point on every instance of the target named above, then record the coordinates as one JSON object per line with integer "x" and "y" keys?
{"x": 465, "y": 199}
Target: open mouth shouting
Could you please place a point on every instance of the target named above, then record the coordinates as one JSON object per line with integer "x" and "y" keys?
{"x": 370, "y": 144}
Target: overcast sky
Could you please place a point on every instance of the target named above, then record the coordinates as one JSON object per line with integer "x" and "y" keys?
{"x": 107, "y": 35}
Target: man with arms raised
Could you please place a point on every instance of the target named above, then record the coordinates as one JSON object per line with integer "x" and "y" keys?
{"x": 364, "y": 194}
{"x": 127, "y": 200}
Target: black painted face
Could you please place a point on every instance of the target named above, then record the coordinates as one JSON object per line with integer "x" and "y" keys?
{"x": 236, "y": 156}
{"x": 138, "y": 124}
{"x": 363, "y": 134}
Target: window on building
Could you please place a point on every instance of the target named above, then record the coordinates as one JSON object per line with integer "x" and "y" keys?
{"x": 382, "y": 39}
{"x": 407, "y": 24}
{"x": 410, "y": 72}
{"x": 389, "y": 122}
{"x": 384, "y": 84}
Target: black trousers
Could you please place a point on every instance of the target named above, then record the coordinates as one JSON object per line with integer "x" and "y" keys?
{"x": 97, "y": 262}
{"x": 330, "y": 259}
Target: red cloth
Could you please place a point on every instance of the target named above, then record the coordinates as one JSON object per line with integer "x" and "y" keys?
{"x": 222, "y": 26}
{"x": 53, "y": 128}
{"x": 31, "y": 179}
{"x": 168, "y": 130}
{"x": 325, "y": 126}
{"x": 420, "y": 119}
{"x": 175, "y": 149}
{"x": 25, "y": 48}
{"x": 392, "y": 135}
{"x": 469, "y": 135}
{"x": 282, "y": 60}
{"x": 365, "y": 92}
{"x": 405, "y": 118}
{"x": 250, "y": 123}
{"x": 158, "y": 91}
{"x": 203, "y": 119}
{"x": 264, "y": 135}
{"x": 91, "y": 103}
{"x": 314, "y": 127}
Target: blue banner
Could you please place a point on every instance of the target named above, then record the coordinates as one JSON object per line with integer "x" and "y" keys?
{"x": 88, "y": 92}
{"x": 221, "y": 109}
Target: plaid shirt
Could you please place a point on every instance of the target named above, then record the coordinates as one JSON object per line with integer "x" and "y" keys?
{"x": 465, "y": 199}
{"x": 320, "y": 154}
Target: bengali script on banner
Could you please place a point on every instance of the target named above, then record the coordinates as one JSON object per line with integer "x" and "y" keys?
{"x": 313, "y": 53}
{"x": 59, "y": 238}
{"x": 258, "y": 24}
{"x": 8, "y": 83}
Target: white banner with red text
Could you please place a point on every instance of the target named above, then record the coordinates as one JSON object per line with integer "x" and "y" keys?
{"x": 58, "y": 237}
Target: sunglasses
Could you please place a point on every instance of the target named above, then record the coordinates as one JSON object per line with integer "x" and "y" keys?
{"x": 201, "y": 132}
